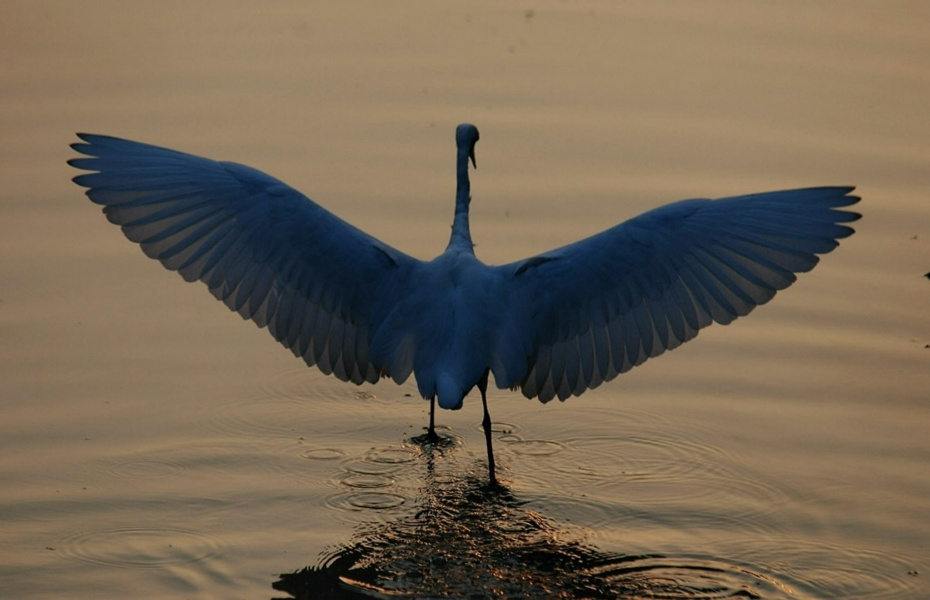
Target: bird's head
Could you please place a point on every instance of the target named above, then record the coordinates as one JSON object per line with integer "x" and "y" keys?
{"x": 466, "y": 136}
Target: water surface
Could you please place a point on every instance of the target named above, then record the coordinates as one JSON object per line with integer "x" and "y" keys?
{"x": 154, "y": 445}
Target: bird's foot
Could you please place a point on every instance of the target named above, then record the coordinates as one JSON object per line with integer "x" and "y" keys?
{"x": 431, "y": 436}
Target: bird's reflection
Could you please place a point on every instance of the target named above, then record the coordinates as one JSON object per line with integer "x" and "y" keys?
{"x": 469, "y": 539}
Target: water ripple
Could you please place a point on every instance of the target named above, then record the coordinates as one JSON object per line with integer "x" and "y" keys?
{"x": 276, "y": 416}
{"x": 300, "y": 383}
{"x": 358, "y": 501}
{"x": 323, "y": 454}
{"x": 393, "y": 455}
{"x": 140, "y": 548}
{"x": 144, "y": 468}
{"x": 466, "y": 539}
{"x": 365, "y": 480}
{"x": 535, "y": 447}
{"x": 840, "y": 571}
{"x": 176, "y": 460}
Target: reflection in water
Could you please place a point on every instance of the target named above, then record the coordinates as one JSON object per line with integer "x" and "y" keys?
{"x": 466, "y": 539}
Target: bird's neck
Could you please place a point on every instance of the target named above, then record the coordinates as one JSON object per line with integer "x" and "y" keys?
{"x": 461, "y": 234}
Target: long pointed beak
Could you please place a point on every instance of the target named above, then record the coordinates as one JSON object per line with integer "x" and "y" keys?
{"x": 471, "y": 155}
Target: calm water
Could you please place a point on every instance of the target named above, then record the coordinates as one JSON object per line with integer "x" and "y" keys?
{"x": 155, "y": 446}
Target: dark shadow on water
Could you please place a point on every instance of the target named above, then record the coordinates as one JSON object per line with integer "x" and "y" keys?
{"x": 466, "y": 539}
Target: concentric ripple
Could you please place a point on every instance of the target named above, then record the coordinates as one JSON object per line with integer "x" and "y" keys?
{"x": 840, "y": 571}
{"x": 471, "y": 541}
{"x": 535, "y": 447}
{"x": 174, "y": 460}
{"x": 323, "y": 454}
{"x": 301, "y": 383}
{"x": 366, "y": 501}
{"x": 279, "y": 416}
{"x": 366, "y": 481}
{"x": 140, "y": 548}
{"x": 393, "y": 455}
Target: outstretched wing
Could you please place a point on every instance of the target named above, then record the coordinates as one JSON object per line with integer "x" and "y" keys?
{"x": 267, "y": 251}
{"x": 582, "y": 314}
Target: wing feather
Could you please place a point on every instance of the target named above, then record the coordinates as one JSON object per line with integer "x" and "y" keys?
{"x": 319, "y": 285}
{"x": 596, "y": 308}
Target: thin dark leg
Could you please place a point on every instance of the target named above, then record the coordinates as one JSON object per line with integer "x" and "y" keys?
{"x": 483, "y": 388}
{"x": 431, "y": 436}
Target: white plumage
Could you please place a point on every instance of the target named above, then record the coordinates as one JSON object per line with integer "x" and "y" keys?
{"x": 553, "y": 325}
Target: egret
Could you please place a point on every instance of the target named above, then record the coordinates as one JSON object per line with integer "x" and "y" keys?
{"x": 553, "y": 325}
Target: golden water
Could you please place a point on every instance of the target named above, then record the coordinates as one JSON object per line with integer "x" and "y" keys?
{"x": 153, "y": 444}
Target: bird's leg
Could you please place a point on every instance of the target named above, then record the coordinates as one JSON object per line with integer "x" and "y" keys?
{"x": 431, "y": 436}
{"x": 483, "y": 388}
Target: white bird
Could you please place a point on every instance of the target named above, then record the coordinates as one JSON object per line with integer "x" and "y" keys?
{"x": 553, "y": 325}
